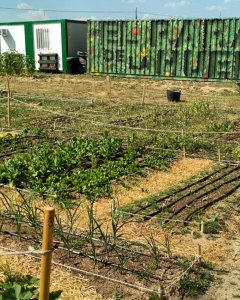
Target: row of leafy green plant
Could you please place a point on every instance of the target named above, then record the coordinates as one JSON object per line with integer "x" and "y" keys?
{"x": 83, "y": 165}
{"x": 88, "y": 165}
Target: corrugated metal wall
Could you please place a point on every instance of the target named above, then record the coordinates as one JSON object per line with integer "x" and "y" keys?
{"x": 166, "y": 48}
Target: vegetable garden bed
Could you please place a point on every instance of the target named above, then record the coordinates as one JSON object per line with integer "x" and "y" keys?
{"x": 81, "y": 146}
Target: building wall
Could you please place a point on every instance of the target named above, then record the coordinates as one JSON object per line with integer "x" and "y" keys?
{"x": 205, "y": 49}
{"x": 15, "y": 40}
{"x": 55, "y": 42}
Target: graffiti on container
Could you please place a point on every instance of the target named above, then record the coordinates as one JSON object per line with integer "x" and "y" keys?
{"x": 192, "y": 48}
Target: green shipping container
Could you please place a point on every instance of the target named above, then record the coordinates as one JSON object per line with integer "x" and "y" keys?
{"x": 200, "y": 49}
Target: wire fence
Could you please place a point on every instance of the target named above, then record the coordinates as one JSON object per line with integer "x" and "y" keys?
{"x": 157, "y": 218}
{"x": 28, "y": 191}
{"x": 21, "y": 253}
{"x": 128, "y": 127}
{"x": 33, "y": 253}
{"x": 84, "y": 234}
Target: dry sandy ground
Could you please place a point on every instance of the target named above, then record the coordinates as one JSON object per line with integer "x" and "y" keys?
{"x": 123, "y": 89}
{"x": 227, "y": 285}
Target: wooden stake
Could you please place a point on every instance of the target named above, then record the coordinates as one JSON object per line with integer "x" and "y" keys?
{"x": 109, "y": 89}
{"x": 202, "y": 227}
{"x": 47, "y": 244}
{"x": 199, "y": 253}
{"x": 94, "y": 92}
{"x": 184, "y": 149}
{"x": 219, "y": 154}
{"x": 144, "y": 93}
{"x": 8, "y": 103}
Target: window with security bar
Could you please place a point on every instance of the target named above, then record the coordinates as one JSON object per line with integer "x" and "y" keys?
{"x": 43, "y": 41}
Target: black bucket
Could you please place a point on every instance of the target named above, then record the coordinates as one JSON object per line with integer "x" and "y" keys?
{"x": 173, "y": 96}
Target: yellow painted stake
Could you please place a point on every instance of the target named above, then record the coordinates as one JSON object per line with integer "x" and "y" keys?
{"x": 47, "y": 244}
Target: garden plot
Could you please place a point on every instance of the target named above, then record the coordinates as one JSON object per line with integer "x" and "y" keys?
{"x": 104, "y": 159}
{"x": 188, "y": 200}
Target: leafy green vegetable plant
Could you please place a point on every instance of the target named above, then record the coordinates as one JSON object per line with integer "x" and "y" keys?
{"x": 16, "y": 287}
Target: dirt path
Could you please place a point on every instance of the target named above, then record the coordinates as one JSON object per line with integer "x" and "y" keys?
{"x": 227, "y": 284}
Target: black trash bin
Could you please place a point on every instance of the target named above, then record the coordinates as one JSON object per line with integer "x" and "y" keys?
{"x": 173, "y": 95}
{"x": 73, "y": 65}
{"x": 83, "y": 61}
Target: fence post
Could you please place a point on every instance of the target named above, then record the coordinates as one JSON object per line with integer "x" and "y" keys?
{"x": 199, "y": 253}
{"x": 109, "y": 88}
{"x": 47, "y": 244}
{"x": 94, "y": 92}
{"x": 144, "y": 93}
{"x": 184, "y": 149}
{"x": 219, "y": 154}
{"x": 8, "y": 103}
{"x": 202, "y": 227}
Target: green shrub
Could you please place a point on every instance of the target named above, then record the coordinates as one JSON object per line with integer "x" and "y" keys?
{"x": 14, "y": 63}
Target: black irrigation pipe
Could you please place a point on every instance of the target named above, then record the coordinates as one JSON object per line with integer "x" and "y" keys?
{"x": 18, "y": 138}
{"x": 149, "y": 216}
{"x": 204, "y": 194}
{"x": 142, "y": 273}
{"x": 110, "y": 264}
{"x": 26, "y": 140}
{"x": 113, "y": 245}
{"x": 26, "y": 238}
{"x": 46, "y": 141}
{"x": 108, "y": 243}
{"x": 13, "y": 152}
{"x": 206, "y": 205}
{"x": 116, "y": 245}
{"x": 89, "y": 238}
{"x": 182, "y": 189}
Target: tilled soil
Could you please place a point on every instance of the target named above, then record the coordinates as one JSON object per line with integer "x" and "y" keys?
{"x": 183, "y": 204}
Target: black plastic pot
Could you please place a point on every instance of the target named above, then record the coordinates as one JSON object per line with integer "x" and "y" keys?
{"x": 173, "y": 96}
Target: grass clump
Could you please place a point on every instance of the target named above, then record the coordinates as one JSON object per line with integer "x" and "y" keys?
{"x": 193, "y": 287}
{"x": 214, "y": 226}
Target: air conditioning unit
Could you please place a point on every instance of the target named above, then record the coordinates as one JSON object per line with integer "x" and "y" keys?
{"x": 4, "y": 32}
